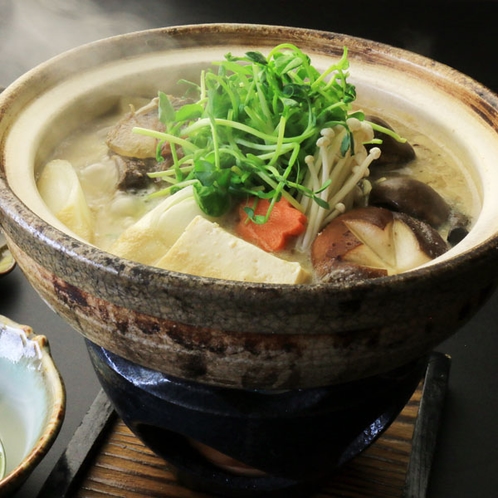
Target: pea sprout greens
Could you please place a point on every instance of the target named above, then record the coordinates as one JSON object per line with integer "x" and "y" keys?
{"x": 271, "y": 127}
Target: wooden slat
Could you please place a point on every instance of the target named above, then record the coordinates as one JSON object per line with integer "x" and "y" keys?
{"x": 125, "y": 468}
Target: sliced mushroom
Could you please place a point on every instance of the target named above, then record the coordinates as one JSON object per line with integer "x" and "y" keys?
{"x": 393, "y": 153}
{"x": 373, "y": 242}
{"x": 410, "y": 196}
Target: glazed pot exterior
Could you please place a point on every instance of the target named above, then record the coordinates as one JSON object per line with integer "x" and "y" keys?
{"x": 270, "y": 338}
{"x": 244, "y": 335}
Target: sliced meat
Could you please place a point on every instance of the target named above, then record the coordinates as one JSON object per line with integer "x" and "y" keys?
{"x": 133, "y": 172}
{"x": 121, "y": 139}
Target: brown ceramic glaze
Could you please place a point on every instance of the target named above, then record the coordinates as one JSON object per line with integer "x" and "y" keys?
{"x": 230, "y": 333}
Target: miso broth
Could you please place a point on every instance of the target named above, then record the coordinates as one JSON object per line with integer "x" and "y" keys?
{"x": 114, "y": 211}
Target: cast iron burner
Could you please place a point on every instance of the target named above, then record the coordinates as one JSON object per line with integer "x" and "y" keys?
{"x": 297, "y": 437}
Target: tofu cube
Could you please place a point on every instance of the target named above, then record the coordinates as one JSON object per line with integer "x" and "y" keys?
{"x": 205, "y": 249}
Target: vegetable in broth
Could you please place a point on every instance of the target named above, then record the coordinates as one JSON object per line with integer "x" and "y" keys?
{"x": 257, "y": 133}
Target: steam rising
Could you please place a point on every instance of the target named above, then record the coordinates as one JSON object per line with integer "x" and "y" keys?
{"x": 32, "y": 31}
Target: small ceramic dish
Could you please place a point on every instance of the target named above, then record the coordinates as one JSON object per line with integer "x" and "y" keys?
{"x": 32, "y": 402}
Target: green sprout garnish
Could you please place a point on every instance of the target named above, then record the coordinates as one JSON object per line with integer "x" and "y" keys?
{"x": 255, "y": 120}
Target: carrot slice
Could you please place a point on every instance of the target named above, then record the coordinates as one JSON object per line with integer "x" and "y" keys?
{"x": 284, "y": 223}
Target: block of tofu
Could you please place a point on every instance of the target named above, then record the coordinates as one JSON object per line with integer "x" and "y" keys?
{"x": 207, "y": 250}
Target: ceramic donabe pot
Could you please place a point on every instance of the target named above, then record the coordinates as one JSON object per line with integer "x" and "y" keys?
{"x": 233, "y": 334}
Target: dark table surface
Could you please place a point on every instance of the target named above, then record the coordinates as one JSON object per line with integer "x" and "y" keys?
{"x": 460, "y": 34}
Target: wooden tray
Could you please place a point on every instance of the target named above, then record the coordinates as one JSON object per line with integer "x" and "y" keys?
{"x": 106, "y": 460}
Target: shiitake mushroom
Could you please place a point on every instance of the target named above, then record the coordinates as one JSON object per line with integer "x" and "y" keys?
{"x": 395, "y": 233}
{"x": 419, "y": 200}
{"x": 393, "y": 152}
{"x": 373, "y": 242}
{"x": 413, "y": 197}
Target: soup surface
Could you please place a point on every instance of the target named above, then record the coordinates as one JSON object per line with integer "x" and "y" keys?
{"x": 95, "y": 184}
{"x": 113, "y": 210}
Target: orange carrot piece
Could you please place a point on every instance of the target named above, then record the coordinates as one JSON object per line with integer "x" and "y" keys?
{"x": 285, "y": 222}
